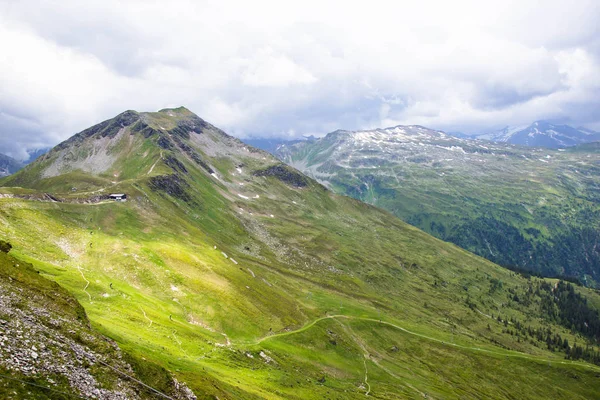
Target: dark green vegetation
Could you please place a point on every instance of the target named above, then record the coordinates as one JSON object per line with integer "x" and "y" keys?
{"x": 523, "y": 208}
{"x": 561, "y": 304}
{"x": 5, "y": 247}
{"x": 245, "y": 279}
{"x": 567, "y": 307}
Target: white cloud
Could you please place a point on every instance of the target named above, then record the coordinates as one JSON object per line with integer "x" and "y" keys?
{"x": 578, "y": 69}
{"x": 269, "y": 68}
{"x": 272, "y": 70}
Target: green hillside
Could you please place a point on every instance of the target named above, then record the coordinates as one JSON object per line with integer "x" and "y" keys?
{"x": 246, "y": 279}
{"x": 524, "y": 208}
{"x": 49, "y": 350}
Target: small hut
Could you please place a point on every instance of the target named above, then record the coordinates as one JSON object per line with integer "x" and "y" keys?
{"x": 118, "y": 197}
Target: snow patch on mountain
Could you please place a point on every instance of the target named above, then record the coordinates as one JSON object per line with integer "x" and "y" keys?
{"x": 542, "y": 134}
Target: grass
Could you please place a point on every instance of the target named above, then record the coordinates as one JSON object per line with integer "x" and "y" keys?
{"x": 63, "y": 319}
{"x": 499, "y": 201}
{"x": 403, "y": 364}
{"x": 149, "y": 276}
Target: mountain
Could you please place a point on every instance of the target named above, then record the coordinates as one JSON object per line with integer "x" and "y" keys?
{"x": 243, "y": 278}
{"x": 271, "y": 144}
{"x": 542, "y": 134}
{"x": 9, "y": 165}
{"x": 33, "y": 154}
{"x": 526, "y": 208}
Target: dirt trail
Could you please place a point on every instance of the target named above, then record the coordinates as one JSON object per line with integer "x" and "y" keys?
{"x": 87, "y": 284}
{"x": 508, "y": 353}
{"x": 365, "y": 352}
{"x": 145, "y": 316}
{"x": 372, "y": 356}
{"x": 155, "y": 162}
{"x": 366, "y": 377}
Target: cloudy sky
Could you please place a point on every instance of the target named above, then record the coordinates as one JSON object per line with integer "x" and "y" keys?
{"x": 286, "y": 69}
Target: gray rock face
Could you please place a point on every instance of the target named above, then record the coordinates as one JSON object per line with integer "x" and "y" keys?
{"x": 34, "y": 343}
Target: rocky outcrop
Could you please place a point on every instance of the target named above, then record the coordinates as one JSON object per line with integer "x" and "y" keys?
{"x": 193, "y": 124}
{"x": 285, "y": 174}
{"x": 172, "y": 185}
{"x": 144, "y": 129}
{"x": 109, "y": 128}
{"x": 193, "y": 154}
{"x": 175, "y": 164}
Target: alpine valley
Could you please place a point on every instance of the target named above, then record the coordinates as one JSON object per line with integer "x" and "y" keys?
{"x": 526, "y": 208}
{"x": 231, "y": 275}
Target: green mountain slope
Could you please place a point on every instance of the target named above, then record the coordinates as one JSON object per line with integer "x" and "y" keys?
{"x": 246, "y": 279}
{"x": 533, "y": 209}
{"x": 49, "y": 351}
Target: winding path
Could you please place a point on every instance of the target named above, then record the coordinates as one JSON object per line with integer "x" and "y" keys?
{"x": 156, "y": 162}
{"x": 86, "y": 284}
{"x": 145, "y": 316}
{"x": 366, "y": 377}
{"x": 508, "y": 353}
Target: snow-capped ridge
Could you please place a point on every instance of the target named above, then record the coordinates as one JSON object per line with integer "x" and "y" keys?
{"x": 542, "y": 134}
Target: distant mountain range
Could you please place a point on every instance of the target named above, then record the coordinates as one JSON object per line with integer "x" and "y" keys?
{"x": 35, "y": 153}
{"x": 524, "y": 207}
{"x": 539, "y": 134}
{"x": 9, "y": 165}
{"x": 271, "y": 145}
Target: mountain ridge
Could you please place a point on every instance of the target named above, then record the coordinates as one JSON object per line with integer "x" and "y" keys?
{"x": 9, "y": 165}
{"x": 542, "y": 134}
{"x": 464, "y": 190}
